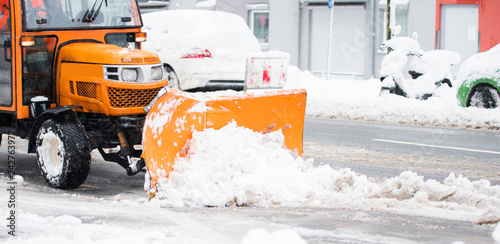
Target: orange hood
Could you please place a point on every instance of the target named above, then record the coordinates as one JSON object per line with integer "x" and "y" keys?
{"x": 105, "y": 54}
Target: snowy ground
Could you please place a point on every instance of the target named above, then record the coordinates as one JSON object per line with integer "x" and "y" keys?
{"x": 266, "y": 175}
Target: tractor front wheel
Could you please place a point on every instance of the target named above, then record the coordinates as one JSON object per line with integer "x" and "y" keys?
{"x": 63, "y": 151}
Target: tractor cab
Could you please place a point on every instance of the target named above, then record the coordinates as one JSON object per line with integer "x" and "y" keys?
{"x": 33, "y": 32}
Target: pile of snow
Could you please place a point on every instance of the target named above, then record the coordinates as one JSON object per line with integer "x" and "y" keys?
{"x": 235, "y": 166}
{"x": 352, "y": 99}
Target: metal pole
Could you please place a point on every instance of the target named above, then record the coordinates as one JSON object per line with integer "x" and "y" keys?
{"x": 330, "y": 42}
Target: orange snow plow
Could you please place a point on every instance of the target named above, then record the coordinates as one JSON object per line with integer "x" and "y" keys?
{"x": 174, "y": 116}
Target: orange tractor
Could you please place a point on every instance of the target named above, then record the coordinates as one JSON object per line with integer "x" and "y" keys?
{"x": 73, "y": 78}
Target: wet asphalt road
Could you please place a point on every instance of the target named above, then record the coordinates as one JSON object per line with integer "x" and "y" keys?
{"x": 385, "y": 150}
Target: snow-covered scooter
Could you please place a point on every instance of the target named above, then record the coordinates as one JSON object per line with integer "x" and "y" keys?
{"x": 428, "y": 70}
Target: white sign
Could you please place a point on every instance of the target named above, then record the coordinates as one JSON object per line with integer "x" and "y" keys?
{"x": 264, "y": 72}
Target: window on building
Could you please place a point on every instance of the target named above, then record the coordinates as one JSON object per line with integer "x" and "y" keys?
{"x": 401, "y": 20}
{"x": 259, "y": 24}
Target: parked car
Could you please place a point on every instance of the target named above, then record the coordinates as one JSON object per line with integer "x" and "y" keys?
{"x": 202, "y": 50}
{"x": 479, "y": 77}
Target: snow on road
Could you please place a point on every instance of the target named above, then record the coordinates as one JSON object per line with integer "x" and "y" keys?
{"x": 266, "y": 175}
{"x": 235, "y": 166}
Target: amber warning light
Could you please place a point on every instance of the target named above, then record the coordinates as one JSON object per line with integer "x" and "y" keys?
{"x": 141, "y": 37}
{"x": 27, "y": 41}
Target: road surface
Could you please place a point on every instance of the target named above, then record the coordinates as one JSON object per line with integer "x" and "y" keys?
{"x": 374, "y": 148}
{"x": 385, "y": 150}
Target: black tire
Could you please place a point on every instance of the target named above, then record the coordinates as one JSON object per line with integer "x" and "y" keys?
{"x": 392, "y": 90}
{"x": 485, "y": 97}
{"x": 173, "y": 80}
{"x": 63, "y": 151}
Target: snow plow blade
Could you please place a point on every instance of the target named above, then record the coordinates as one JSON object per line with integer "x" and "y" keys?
{"x": 171, "y": 120}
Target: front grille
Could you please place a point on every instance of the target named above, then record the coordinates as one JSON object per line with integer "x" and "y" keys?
{"x": 126, "y": 98}
{"x": 71, "y": 87}
{"x": 89, "y": 89}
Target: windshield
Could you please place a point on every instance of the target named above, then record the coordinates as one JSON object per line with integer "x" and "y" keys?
{"x": 80, "y": 14}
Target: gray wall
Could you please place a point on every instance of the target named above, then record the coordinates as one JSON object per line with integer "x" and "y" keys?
{"x": 284, "y": 28}
{"x": 422, "y": 19}
{"x": 352, "y": 43}
{"x": 182, "y": 4}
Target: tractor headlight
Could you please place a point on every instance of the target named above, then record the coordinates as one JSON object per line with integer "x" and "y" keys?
{"x": 129, "y": 75}
{"x": 140, "y": 73}
{"x": 157, "y": 73}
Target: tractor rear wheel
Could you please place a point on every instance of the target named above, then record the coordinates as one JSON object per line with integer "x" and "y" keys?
{"x": 63, "y": 151}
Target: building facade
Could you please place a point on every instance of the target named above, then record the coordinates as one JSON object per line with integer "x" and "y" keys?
{"x": 302, "y": 27}
{"x": 467, "y": 26}
{"x": 358, "y": 30}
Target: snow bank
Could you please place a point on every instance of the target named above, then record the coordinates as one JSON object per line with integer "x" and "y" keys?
{"x": 351, "y": 99}
{"x": 235, "y": 166}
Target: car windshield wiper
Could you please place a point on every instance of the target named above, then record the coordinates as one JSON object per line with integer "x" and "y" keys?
{"x": 91, "y": 13}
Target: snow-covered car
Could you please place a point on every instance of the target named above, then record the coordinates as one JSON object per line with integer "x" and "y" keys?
{"x": 479, "y": 77}
{"x": 201, "y": 49}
